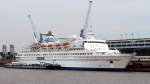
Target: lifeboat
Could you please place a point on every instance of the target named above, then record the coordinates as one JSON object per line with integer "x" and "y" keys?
{"x": 43, "y": 45}
{"x": 50, "y": 46}
{"x": 66, "y": 45}
{"x": 58, "y": 46}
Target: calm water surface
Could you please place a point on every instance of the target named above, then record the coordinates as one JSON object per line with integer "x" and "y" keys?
{"x": 28, "y": 76}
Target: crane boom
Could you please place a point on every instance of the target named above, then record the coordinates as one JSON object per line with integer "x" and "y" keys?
{"x": 86, "y": 25}
{"x": 34, "y": 28}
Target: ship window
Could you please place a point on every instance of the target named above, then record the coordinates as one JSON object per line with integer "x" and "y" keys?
{"x": 40, "y": 58}
{"x": 19, "y": 55}
{"x": 103, "y": 52}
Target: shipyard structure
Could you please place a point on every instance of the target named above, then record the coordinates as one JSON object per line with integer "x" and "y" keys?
{"x": 7, "y": 54}
{"x": 139, "y": 46}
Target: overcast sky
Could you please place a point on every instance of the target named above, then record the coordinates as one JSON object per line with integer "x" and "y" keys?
{"x": 109, "y": 18}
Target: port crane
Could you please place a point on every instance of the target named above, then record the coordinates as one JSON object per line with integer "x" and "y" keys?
{"x": 34, "y": 29}
{"x": 41, "y": 38}
{"x": 83, "y": 33}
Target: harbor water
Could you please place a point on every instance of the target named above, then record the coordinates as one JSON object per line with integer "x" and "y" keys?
{"x": 35, "y": 76}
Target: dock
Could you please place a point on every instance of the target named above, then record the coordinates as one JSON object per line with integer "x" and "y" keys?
{"x": 140, "y": 47}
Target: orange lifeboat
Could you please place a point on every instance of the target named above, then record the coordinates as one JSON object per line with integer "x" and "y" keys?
{"x": 66, "y": 45}
{"x": 50, "y": 46}
{"x": 58, "y": 46}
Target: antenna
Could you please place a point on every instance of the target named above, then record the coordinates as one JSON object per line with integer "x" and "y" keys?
{"x": 86, "y": 25}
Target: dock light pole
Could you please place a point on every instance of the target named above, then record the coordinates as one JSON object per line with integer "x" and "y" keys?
{"x": 126, "y": 35}
{"x": 121, "y": 35}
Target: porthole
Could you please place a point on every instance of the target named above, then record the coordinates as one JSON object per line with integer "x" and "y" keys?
{"x": 111, "y": 62}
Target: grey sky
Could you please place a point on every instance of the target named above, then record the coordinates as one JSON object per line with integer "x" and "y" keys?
{"x": 109, "y": 18}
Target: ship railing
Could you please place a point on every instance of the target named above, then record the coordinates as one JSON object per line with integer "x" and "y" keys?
{"x": 115, "y": 54}
{"x": 121, "y": 55}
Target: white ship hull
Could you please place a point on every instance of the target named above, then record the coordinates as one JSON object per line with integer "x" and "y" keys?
{"x": 118, "y": 61}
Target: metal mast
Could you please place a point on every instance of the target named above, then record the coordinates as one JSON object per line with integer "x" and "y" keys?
{"x": 86, "y": 25}
{"x": 34, "y": 28}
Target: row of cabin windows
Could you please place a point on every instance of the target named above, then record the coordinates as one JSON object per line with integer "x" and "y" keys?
{"x": 75, "y": 57}
{"x": 58, "y": 54}
{"x": 143, "y": 58}
{"x": 85, "y": 57}
{"x": 93, "y": 42}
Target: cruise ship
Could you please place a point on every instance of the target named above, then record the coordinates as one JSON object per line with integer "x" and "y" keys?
{"x": 84, "y": 52}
